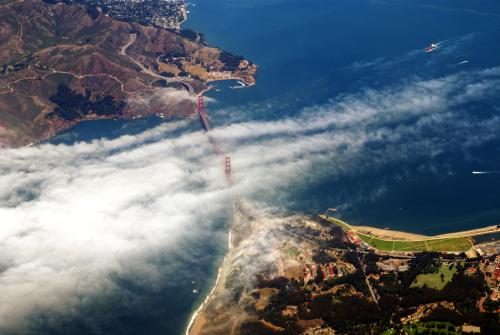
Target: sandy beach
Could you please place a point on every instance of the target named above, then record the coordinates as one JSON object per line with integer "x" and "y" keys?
{"x": 389, "y": 234}
{"x": 197, "y": 320}
{"x": 472, "y": 232}
{"x": 403, "y": 236}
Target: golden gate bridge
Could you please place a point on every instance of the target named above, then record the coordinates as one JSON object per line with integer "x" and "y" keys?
{"x": 226, "y": 159}
{"x": 206, "y": 124}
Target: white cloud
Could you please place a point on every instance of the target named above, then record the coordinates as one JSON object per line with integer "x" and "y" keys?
{"x": 167, "y": 102}
{"x": 98, "y": 208}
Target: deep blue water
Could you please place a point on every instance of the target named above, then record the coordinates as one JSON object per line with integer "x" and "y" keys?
{"x": 305, "y": 50}
{"x": 302, "y": 47}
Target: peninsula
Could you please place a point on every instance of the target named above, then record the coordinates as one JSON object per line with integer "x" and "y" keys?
{"x": 322, "y": 276}
{"x": 63, "y": 63}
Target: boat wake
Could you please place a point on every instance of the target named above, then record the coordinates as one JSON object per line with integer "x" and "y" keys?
{"x": 486, "y": 172}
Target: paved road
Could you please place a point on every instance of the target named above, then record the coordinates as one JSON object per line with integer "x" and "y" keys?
{"x": 123, "y": 52}
{"x": 372, "y": 292}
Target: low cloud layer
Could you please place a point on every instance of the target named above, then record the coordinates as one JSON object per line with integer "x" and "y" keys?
{"x": 355, "y": 134}
{"x": 75, "y": 217}
{"x": 165, "y": 102}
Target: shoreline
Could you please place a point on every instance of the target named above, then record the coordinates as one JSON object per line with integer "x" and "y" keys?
{"x": 220, "y": 271}
{"x": 407, "y": 236}
{"x": 184, "y": 16}
{"x": 197, "y": 311}
{"x": 387, "y": 233}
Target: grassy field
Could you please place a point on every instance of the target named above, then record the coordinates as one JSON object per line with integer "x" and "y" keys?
{"x": 292, "y": 252}
{"x": 443, "y": 244}
{"x": 433, "y": 280}
{"x": 289, "y": 253}
{"x": 431, "y": 244}
{"x": 442, "y": 328}
{"x": 338, "y": 222}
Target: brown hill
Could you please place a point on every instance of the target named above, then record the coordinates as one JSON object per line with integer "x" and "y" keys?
{"x": 59, "y": 66}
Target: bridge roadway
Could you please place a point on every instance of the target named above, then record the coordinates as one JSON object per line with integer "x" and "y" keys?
{"x": 202, "y": 112}
{"x": 240, "y": 218}
{"x": 206, "y": 124}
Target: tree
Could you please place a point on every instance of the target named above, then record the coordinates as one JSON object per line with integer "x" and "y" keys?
{"x": 321, "y": 257}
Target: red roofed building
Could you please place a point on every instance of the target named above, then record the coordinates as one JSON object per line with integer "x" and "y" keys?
{"x": 496, "y": 274}
{"x": 351, "y": 235}
{"x": 331, "y": 270}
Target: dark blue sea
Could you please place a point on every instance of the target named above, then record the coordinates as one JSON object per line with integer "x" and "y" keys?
{"x": 322, "y": 53}
{"x": 312, "y": 52}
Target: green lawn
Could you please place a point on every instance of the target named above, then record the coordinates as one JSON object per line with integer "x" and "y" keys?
{"x": 377, "y": 243}
{"x": 289, "y": 253}
{"x": 441, "y": 328}
{"x": 445, "y": 244}
{"x": 450, "y": 244}
{"x": 433, "y": 280}
{"x": 292, "y": 252}
{"x": 338, "y": 222}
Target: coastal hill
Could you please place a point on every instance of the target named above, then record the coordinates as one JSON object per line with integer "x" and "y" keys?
{"x": 298, "y": 275}
{"x": 61, "y": 64}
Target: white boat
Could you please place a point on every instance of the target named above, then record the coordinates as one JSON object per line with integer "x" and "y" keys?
{"x": 431, "y": 47}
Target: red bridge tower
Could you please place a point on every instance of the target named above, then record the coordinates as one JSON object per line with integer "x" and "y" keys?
{"x": 228, "y": 166}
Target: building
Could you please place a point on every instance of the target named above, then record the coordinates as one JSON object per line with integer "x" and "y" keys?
{"x": 471, "y": 329}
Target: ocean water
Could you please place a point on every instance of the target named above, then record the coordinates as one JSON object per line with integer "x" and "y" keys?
{"x": 310, "y": 53}
{"x": 313, "y": 53}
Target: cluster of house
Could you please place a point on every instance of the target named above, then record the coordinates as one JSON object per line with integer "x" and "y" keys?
{"x": 310, "y": 272}
{"x": 491, "y": 270}
{"x": 353, "y": 238}
{"x": 393, "y": 265}
{"x": 487, "y": 250}
{"x": 327, "y": 271}
{"x": 425, "y": 310}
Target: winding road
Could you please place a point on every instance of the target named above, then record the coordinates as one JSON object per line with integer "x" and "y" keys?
{"x": 123, "y": 52}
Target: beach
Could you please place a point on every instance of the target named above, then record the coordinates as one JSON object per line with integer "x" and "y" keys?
{"x": 389, "y": 234}
{"x": 198, "y": 319}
